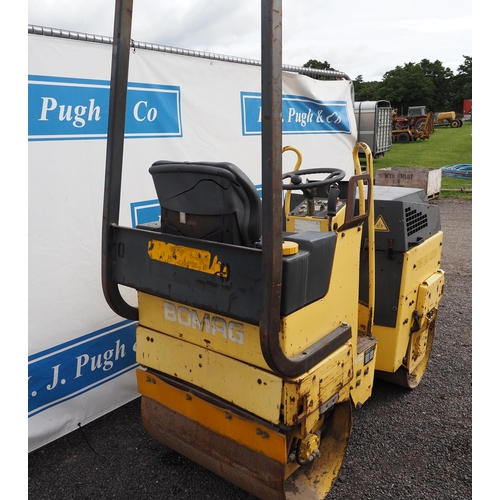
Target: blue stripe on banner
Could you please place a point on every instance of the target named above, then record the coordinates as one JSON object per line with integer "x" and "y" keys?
{"x": 77, "y": 366}
{"x": 74, "y": 108}
{"x": 301, "y": 115}
{"x": 143, "y": 212}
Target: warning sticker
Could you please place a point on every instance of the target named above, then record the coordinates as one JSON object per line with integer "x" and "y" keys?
{"x": 380, "y": 225}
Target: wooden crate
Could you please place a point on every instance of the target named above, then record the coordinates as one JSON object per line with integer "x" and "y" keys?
{"x": 428, "y": 179}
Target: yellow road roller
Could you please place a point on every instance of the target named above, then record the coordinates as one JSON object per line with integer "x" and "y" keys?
{"x": 262, "y": 322}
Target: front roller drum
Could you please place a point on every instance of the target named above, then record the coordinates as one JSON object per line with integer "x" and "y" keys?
{"x": 410, "y": 378}
{"x": 243, "y": 450}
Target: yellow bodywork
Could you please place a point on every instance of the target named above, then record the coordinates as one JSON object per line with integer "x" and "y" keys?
{"x": 223, "y": 356}
{"x": 302, "y": 328}
{"x": 430, "y": 293}
{"x": 446, "y": 115}
{"x": 216, "y": 333}
{"x": 258, "y": 391}
{"x": 420, "y": 264}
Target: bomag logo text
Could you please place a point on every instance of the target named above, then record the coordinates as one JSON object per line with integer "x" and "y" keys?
{"x": 214, "y": 325}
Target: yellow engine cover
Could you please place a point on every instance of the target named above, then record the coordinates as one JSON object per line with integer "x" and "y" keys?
{"x": 420, "y": 274}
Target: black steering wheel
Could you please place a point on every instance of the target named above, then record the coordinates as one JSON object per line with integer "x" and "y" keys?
{"x": 335, "y": 175}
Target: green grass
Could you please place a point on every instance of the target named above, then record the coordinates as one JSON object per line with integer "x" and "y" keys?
{"x": 447, "y": 146}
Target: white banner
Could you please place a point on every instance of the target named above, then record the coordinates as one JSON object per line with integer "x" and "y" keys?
{"x": 81, "y": 357}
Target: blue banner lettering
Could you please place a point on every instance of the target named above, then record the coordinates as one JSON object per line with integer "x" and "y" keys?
{"x": 67, "y": 370}
{"x": 301, "y": 115}
{"x": 69, "y": 108}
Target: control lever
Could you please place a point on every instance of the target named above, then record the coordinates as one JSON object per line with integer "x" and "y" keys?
{"x": 333, "y": 196}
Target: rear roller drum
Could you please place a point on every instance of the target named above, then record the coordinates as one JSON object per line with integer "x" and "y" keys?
{"x": 270, "y": 463}
{"x": 317, "y": 473}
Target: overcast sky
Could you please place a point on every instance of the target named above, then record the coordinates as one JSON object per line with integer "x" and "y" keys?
{"x": 362, "y": 37}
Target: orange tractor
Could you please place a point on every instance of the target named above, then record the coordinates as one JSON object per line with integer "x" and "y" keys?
{"x": 417, "y": 124}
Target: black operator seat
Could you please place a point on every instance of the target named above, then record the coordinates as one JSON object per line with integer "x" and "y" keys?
{"x": 210, "y": 201}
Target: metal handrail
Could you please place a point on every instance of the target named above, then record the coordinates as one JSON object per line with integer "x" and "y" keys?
{"x": 88, "y": 37}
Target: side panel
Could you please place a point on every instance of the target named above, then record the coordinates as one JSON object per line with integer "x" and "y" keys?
{"x": 202, "y": 328}
{"x": 419, "y": 264}
{"x": 254, "y": 390}
{"x": 340, "y": 305}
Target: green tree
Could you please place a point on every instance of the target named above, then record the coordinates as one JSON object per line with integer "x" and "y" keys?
{"x": 462, "y": 84}
{"x": 315, "y": 64}
{"x": 441, "y": 79}
{"x": 365, "y": 91}
{"x": 424, "y": 83}
{"x": 406, "y": 86}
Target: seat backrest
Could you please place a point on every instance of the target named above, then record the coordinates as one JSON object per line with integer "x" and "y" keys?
{"x": 204, "y": 200}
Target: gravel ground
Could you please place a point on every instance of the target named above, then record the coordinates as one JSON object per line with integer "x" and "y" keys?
{"x": 405, "y": 444}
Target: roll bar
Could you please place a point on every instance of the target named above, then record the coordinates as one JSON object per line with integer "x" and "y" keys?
{"x": 271, "y": 79}
{"x": 114, "y": 155}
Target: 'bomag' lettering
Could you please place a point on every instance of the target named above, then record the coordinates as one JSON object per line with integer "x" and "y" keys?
{"x": 209, "y": 324}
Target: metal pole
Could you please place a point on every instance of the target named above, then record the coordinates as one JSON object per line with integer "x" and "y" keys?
{"x": 272, "y": 223}
{"x": 271, "y": 34}
{"x": 114, "y": 154}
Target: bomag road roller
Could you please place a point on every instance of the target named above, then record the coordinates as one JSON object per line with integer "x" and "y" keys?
{"x": 262, "y": 322}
